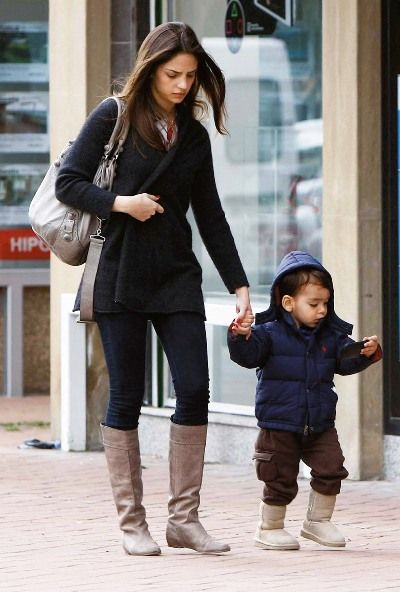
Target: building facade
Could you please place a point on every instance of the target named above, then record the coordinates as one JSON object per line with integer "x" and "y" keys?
{"x": 310, "y": 163}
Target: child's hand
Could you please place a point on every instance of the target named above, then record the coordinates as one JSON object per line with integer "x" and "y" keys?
{"x": 243, "y": 327}
{"x": 371, "y": 346}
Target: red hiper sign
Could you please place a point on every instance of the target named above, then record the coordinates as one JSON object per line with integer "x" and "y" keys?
{"x": 21, "y": 244}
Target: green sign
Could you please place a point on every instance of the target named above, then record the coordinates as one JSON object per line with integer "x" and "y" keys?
{"x": 234, "y": 25}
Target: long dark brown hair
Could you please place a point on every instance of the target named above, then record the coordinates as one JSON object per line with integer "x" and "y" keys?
{"x": 161, "y": 45}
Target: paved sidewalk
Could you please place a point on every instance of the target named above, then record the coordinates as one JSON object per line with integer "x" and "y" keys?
{"x": 58, "y": 529}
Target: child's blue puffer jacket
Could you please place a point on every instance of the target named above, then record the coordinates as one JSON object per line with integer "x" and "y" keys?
{"x": 296, "y": 366}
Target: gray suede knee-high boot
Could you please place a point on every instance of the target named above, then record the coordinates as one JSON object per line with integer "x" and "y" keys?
{"x": 123, "y": 459}
{"x": 186, "y": 462}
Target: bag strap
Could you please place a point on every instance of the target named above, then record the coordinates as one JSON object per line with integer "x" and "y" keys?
{"x": 121, "y": 129}
{"x": 113, "y": 147}
{"x": 89, "y": 275}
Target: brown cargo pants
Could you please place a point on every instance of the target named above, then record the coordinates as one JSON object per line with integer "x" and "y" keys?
{"x": 278, "y": 454}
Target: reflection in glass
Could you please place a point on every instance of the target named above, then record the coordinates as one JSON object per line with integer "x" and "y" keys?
{"x": 229, "y": 383}
{"x": 269, "y": 168}
{"x": 24, "y": 133}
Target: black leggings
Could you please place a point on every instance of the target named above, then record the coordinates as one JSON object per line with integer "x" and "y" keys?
{"x": 183, "y": 338}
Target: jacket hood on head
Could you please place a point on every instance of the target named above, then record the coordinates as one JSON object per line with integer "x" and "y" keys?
{"x": 292, "y": 261}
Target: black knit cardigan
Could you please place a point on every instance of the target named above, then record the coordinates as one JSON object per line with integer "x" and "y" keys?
{"x": 150, "y": 266}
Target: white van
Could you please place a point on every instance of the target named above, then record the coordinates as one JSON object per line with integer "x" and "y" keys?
{"x": 255, "y": 164}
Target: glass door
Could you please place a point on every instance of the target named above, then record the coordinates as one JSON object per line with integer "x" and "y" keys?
{"x": 391, "y": 209}
{"x": 269, "y": 168}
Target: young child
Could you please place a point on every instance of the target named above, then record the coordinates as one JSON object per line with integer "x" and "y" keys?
{"x": 296, "y": 346}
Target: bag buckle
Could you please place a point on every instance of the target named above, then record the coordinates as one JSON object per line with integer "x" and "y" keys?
{"x": 98, "y": 232}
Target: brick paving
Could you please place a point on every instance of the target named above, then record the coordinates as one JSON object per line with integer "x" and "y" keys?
{"x": 58, "y": 529}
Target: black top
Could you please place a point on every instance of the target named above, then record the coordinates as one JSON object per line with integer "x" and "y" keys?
{"x": 150, "y": 266}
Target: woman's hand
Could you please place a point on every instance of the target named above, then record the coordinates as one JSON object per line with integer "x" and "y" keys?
{"x": 243, "y": 306}
{"x": 243, "y": 327}
{"x": 142, "y": 206}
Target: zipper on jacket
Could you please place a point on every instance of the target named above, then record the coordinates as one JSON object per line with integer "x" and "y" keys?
{"x": 306, "y": 430}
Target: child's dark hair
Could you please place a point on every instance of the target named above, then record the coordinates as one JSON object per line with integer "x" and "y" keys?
{"x": 291, "y": 283}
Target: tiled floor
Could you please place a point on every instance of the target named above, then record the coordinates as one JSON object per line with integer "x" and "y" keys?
{"x": 58, "y": 528}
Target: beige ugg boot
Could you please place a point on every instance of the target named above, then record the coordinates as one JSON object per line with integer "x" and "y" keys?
{"x": 123, "y": 459}
{"x": 317, "y": 525}
{"x": 186, "y": 461}
{"x": 270, "y": 533}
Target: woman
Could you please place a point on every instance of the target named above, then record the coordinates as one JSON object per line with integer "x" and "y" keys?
{"x": 148, "y": 270}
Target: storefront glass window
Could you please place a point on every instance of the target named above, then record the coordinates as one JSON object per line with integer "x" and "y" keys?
{"x": 24, "y": 138}
{"x": 269, "y": 168}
